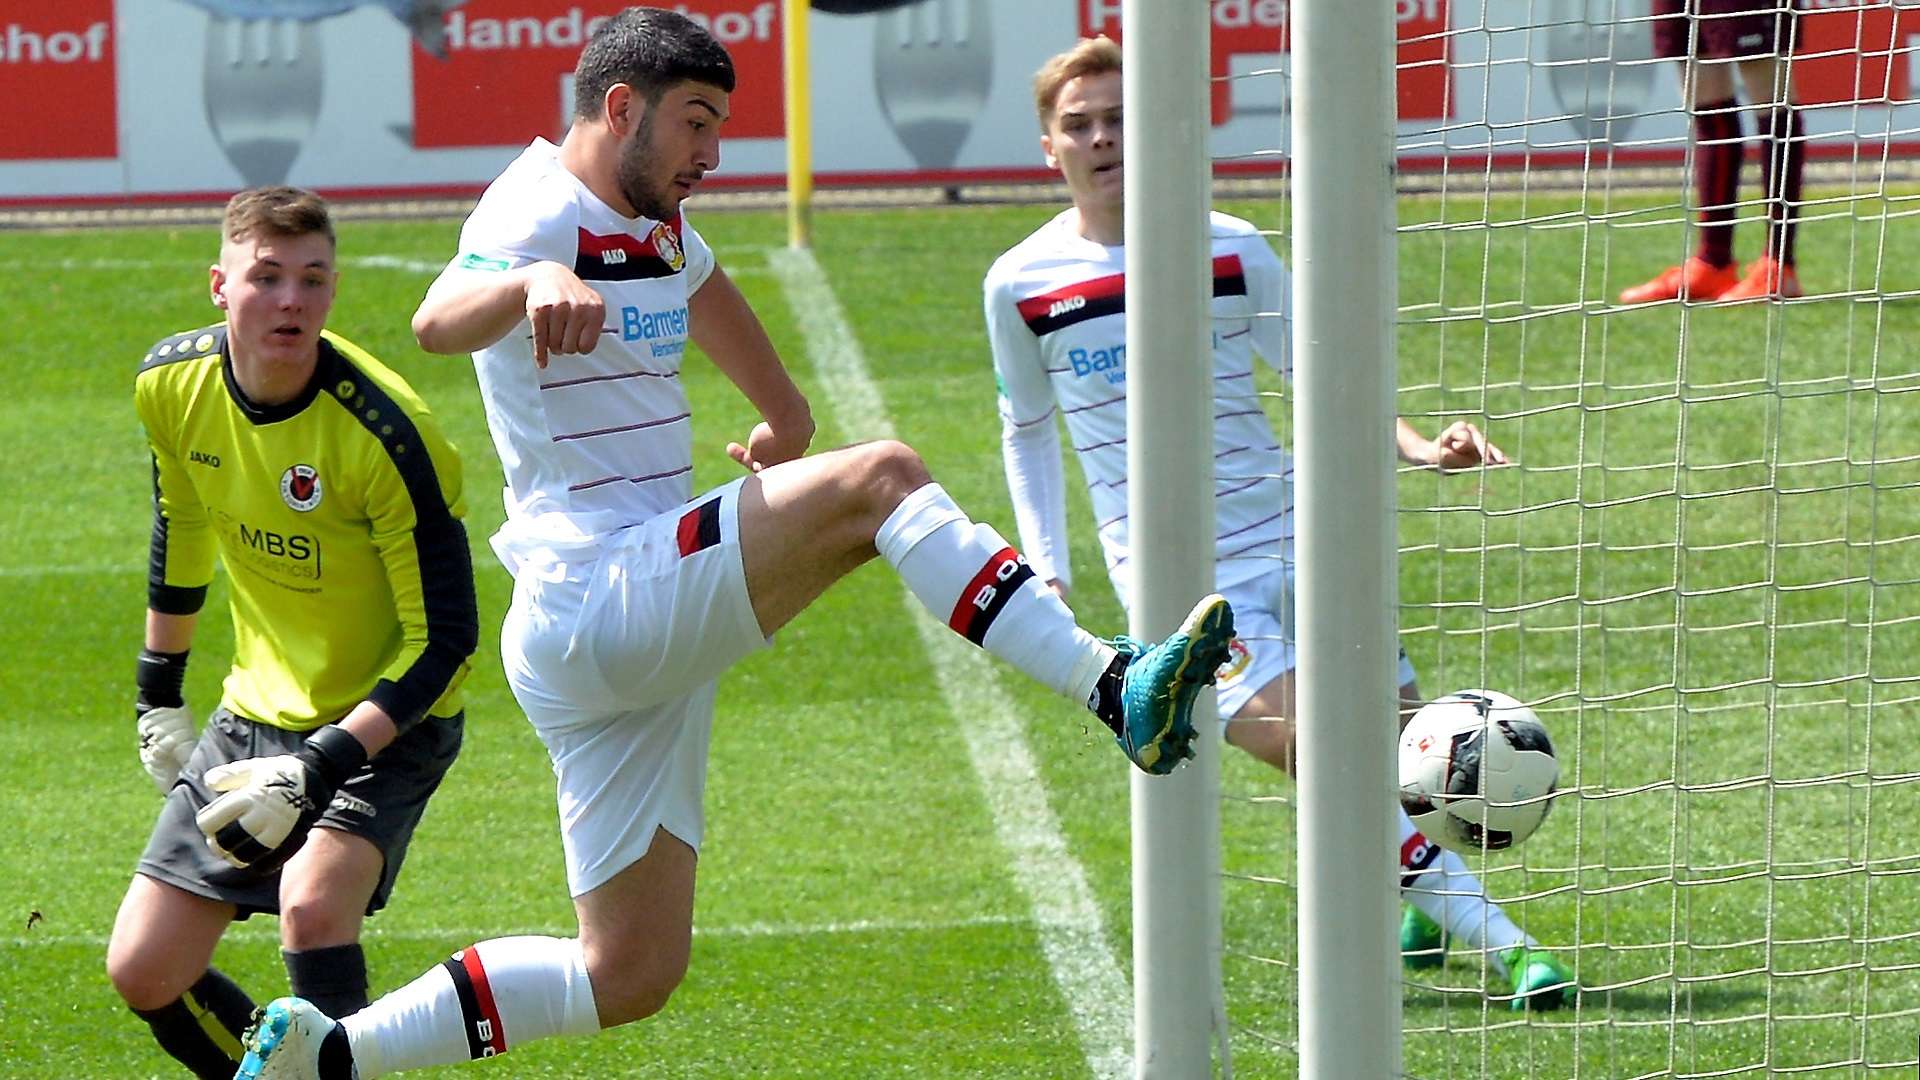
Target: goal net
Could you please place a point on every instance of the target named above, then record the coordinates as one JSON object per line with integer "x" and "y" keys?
{"x": 1702, "y": 568}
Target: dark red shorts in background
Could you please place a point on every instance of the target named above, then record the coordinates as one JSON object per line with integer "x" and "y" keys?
{"x": 1722, "y": 29}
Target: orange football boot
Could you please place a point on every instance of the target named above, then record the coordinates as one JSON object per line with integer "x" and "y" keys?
{"x": 1767, "y": 279}
{"x": 1696, "y": 279}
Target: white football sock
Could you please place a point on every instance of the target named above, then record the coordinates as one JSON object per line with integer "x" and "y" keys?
{"x": 973, "y": 580}
{"x": 487, "y": 999}
{"x": 1438, "y": 882}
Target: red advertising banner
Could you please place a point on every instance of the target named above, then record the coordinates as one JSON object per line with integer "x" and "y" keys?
{"x": 57, "y": 80}
{"x": 509, "y": 61}
{"x": 1855, "y": 50}
{"x": 1260, "y": 26}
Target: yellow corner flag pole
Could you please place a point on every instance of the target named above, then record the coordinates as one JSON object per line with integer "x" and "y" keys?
{"x": 799, "y": 87}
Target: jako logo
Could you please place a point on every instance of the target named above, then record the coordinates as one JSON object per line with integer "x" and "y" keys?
{"x": 614, "y": 257}
{"x": 1061, "y": 307}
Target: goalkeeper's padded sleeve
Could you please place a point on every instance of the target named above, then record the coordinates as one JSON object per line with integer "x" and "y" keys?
{"x": 158, "y": 680}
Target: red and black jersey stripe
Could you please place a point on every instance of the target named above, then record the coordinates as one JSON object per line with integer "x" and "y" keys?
{"x": 1063, "y": 307}
{"x": 623, "y": 257}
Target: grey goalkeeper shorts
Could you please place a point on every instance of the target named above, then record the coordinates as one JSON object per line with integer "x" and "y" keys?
{"x": 382, "y": 802}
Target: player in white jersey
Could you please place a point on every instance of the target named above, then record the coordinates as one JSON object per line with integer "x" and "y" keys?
{"x": 578, "y": 287}
{"x": 1055, "y": 312}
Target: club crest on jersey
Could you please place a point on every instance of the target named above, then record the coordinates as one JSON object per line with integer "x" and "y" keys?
{"x": 300, "y": 487}
{"x": 667, "y": 246}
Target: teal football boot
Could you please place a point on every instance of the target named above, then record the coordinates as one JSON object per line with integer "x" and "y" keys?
{"x": 1162, "y": 681}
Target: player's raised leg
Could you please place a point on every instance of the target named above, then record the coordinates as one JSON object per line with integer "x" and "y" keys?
{"x": 807, "y": 523}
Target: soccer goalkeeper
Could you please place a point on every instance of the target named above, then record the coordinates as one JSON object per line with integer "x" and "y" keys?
{"x": 328, "y": 491}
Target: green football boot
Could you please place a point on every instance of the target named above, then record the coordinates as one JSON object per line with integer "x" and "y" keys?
{"x": 1540, "y": 980}
{"x": 1423, "y": 942}
{"x": 1160, "y": 684}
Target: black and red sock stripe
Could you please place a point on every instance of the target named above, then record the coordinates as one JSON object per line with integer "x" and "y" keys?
{"x": 1417, "y": 856}
{"x": 486, "y": 1036}
{"x": 987, "y": 594}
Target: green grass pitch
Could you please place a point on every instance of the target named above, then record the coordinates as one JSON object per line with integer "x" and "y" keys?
{"x": 1706, "y": 568}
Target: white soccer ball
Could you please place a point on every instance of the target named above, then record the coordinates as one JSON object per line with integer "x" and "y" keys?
{"x": 1476, "y": 771}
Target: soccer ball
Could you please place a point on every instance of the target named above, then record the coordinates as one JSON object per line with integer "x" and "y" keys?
{"x": 1475, "y": 769}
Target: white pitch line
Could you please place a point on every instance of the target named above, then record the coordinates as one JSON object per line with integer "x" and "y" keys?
{"x": 395, "y": 262}
{"x": 373, "y": 931}
{"x": 133, "y": 566}
{"x": 1072, "y": 932}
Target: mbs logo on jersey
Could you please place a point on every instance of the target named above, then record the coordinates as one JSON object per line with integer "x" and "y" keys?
{"x": 291, "y": 560}
{"x": 288, "y": 559}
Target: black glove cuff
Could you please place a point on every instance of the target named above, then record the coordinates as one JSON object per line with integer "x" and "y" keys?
{"x": 159, "y": 678}
{"x": 333, "y": 754}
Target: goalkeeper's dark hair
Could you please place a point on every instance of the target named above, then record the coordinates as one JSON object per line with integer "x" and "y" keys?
{"x": 649, "y": 49}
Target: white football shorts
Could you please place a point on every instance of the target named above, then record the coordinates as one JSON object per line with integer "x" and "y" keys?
{"x": 612, "y": 647}
{"x": 1263, "y": 647}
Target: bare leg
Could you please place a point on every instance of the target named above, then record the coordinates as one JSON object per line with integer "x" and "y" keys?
{"x": 636, "y": 931}
{"x": 807, "y": 523}
{"x": 163, "y": 939}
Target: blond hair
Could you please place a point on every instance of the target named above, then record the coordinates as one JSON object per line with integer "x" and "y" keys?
{"x": 1092, "y": 56}
{"x": 276, "y": 211}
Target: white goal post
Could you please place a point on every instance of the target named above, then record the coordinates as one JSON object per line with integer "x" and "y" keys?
{"x": 1343, "y": 383}
{"x": 1176, "y": 832}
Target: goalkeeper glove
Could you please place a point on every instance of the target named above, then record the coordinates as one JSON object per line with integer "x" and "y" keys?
{"x": 270, "y": 803}
{"x": 161, "y": 716}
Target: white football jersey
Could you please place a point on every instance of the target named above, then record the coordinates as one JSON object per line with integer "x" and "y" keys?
{"x": 601, "y": 438}
{"x": 1056, "y": 317}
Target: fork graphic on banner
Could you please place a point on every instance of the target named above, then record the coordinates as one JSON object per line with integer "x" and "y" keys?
{"x": 932, "y": 68}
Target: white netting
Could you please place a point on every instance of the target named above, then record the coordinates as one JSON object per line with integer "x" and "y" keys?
{"x": 1703, "y": 571}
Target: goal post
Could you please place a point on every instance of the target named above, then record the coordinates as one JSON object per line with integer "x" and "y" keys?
{"x": 1343, "y": 380}
{"x": 1176, "y": 838}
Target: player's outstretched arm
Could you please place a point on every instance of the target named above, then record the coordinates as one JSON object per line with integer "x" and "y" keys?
{"x": 469, "y": 308}
{"x": 727, "y": 330}
{"x": 1459, "y": 446}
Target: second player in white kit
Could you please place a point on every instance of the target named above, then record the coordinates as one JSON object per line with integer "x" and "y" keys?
{"x": 1056, "y": 319}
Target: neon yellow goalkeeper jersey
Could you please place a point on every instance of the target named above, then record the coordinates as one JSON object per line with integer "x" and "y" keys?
{"x": 337, "y": 515}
